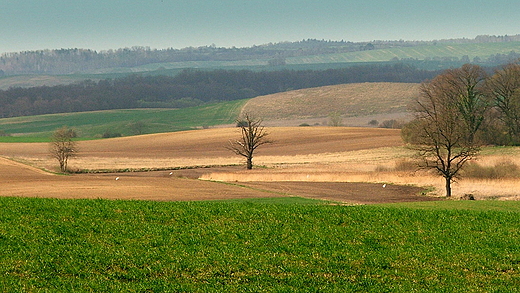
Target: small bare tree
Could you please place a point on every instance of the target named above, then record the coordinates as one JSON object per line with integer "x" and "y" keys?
{"x": 253, "y": 135}
{"x": 63, "y": 147}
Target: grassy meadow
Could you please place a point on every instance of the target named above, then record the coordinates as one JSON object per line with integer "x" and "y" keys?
{"x": 257, "y": 246}
{"x": 420, "y": 53}
{"x": 93, "y": 124}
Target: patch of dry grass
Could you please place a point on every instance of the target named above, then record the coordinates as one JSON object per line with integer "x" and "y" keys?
{"x": 381, "y": 165}
{"x": 349, "y": 99}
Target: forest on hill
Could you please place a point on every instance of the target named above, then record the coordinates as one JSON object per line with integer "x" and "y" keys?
{"x": 189, "y": 88}
{"x": 75, "y": 60}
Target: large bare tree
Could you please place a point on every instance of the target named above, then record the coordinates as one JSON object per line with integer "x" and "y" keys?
{"x": 63, "y": 147}
{"x": 449, "y": 113}
{"x": 253, "y": 135}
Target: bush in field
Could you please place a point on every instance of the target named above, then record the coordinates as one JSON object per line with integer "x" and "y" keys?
{"x": 393, "y": 124}
{"x": 110, "y": 134}
{"x": 373, "y": 122}
{"x": 137, "y": 127}
{"x": 335, "y": 119}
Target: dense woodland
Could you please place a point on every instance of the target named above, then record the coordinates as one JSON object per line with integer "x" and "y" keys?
{"x": 67, "y": 61}
{"x": 189, "y": 88}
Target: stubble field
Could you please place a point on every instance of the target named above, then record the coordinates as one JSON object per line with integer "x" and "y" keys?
{"x": 333, "y": 163}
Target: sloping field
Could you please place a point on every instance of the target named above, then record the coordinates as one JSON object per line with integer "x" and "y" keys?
{"x": 359, "y": 99}
{"x": 207, "y": 147}
{"x": 482, "y": 50}
{"x": 94, "y": 123}
{"x": 197, "y": 148}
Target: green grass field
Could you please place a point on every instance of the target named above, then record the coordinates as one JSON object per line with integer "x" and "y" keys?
{"x": 53, "y": 245}
{"x": 93, "y": 124}
{"x": 420, "y": 52}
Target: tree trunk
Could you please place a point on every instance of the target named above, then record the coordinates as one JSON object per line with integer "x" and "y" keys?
{"x": 448, "y": 187}
{"x": 249, "y": 163}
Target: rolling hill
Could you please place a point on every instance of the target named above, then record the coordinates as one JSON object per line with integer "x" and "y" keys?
{"x": 349, "y": 100}
{"x": 360, "y": 99}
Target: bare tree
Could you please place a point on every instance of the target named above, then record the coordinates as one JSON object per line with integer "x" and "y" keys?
{"x": 63, "y": 147}
{"x": 449, "y": 113}
{"x": 253, "y": 135}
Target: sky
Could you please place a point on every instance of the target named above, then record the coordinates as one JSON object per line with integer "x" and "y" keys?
{"x": 111, "y": 24}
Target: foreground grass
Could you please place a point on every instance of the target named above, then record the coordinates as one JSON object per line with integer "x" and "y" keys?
{"x": 138, "y": 246}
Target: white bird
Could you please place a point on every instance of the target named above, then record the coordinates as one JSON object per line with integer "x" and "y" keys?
{"x": 171, "y": 173}
{"x": 384, "y": 185}
{"x": 117, "y": 178}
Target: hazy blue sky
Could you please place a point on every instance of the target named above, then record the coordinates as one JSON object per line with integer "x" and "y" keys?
{"x": 112, "y": 24}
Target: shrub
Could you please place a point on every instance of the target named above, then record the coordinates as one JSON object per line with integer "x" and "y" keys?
{"x": 394, "y": 124}
{"x": 373, "y": 122}
{"x": 109, "y": 134}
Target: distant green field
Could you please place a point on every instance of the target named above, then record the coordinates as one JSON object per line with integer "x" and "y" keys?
{"x": 51, "y": 245}
{"x": 94, "y": 124}
{"x": 420, "y": 52}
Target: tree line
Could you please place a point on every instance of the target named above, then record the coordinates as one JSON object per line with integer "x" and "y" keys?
{"x": 189, "y": 88}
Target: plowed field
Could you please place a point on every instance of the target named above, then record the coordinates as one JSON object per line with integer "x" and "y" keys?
{"x": 197, "y": 148}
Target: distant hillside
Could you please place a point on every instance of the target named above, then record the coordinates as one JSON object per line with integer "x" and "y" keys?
{"x": 136, "y": 59}
{"x": 358, "y": 99}
{"x": 481, "y": 53}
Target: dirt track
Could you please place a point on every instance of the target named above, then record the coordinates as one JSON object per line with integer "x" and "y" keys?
{"x": 21, "y": 180}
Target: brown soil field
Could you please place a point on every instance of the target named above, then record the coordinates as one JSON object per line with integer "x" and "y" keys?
{"x": 291, "y": 147}
{"x": 205, "y": 147}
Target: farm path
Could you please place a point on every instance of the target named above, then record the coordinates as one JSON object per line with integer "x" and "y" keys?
{"x": 24, "y": 181}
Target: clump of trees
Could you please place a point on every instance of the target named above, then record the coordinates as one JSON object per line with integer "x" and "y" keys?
{"x": 252, "y": 136}
{"x": 63, "y": 147}
{"x": 461, "y": 110}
